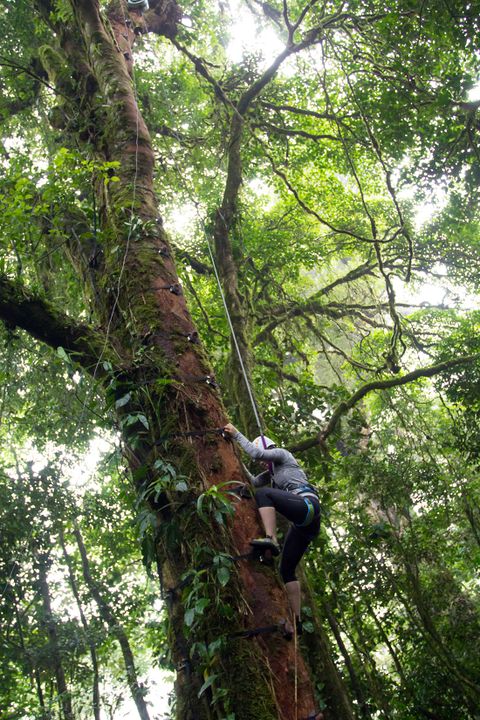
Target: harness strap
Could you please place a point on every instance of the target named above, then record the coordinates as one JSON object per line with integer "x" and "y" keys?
{"x": 310, "y": 513}
{"x": 305, "y": 488}
{"x": 193, "y": 433}
{"x": 258, "y": 631}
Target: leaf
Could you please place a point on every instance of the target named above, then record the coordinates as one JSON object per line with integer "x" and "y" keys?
{"x": 223, "y": 575}
{"x": 62, "y": 354}
{"x": 201, "y": 604}
{"x": 140, "y": 473}
{"x": 181, "y": 486}
{"x": 189, "y": 617}
{"x": 200, "y": 502}
{"x": 134, "y": 418}
{"x": 123, "y": 400}
{"x": 209, "y": 681}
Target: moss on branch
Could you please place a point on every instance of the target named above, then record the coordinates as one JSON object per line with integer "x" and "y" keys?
{"x": 40, "y": 319}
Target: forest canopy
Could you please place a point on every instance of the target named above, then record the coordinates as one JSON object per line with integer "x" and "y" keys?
{"x": 258, "y": 212}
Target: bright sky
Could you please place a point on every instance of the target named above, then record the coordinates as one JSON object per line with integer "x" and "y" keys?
{"x": 249, "y": 34}
{"x": 160, "y": 684}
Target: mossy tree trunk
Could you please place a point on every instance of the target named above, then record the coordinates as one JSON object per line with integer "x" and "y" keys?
{"x": 144, "y": 354}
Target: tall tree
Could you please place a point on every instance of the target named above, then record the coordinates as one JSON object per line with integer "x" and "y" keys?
{"x": 329, "y": 148}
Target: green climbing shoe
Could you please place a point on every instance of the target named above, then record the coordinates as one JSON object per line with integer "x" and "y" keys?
{"x": 266, "y": 543}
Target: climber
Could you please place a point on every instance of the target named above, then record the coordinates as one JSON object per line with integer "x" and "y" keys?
{"x": 293, "y": 497}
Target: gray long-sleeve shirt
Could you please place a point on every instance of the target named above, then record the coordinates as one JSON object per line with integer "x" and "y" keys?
{"x": 286, "y": 472}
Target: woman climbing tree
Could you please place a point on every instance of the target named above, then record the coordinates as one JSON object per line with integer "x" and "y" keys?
{"x": 283, "y": 488}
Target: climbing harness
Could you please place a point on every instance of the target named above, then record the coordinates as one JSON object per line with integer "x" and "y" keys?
{"x": 139, "y": 5}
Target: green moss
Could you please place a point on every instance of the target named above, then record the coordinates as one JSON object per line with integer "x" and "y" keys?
{"x": 250, "y": 695}
{"x": 54, "y": 64}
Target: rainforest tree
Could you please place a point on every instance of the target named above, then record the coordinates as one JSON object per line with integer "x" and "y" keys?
{"x": 292, "y": 172}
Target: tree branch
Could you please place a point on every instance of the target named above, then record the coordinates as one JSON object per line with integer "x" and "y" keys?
{"x": 294, "y": 132}
{"x": 20, "y": 308}
{"x": 278, "y": 370}
{"x": 386, "y": 384}
{"x": 308, "y": 113}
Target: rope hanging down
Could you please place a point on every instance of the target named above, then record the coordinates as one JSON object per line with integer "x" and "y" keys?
{"x": 235, "y": 342}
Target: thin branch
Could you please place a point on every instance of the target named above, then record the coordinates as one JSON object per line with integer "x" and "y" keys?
{"x": 354, "y": 274}
{"x": 338, "y": 350}
{"x": 302, "y": 111}
{"x": 191, "y": 287}
{"x": 194, "y": 263}
{"x": 294, "y": 132}
{"x": 302, "y": 204}
{"x": 6, "y": 62}
{"x": 200, "y": 67}
{"x": 278, "y": 370}
{"x": 302, "y": 15}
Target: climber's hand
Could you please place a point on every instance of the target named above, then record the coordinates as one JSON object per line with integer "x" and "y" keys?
{"x": 230, "y": 429}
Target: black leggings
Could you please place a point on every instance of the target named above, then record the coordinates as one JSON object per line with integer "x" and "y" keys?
{"x": 295, "y": 509}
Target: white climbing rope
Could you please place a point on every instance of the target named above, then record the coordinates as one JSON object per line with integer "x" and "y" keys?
{"x": 295, "y": 651}
{"x": 235, "y": 341}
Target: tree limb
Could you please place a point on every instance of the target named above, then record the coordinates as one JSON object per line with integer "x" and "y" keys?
{"x": 294, "y": 132}
{"x": 385, "y": 384}
{"x": 20, "y": 308}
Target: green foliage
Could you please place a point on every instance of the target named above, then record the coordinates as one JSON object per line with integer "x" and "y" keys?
{"x": 346, "y": 139}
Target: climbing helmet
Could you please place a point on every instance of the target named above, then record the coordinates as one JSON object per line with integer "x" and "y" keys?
{"x": 262, "y": 442}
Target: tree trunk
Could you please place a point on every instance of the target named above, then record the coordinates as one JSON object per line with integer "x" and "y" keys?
{"x": 356, "y": 684}
{"x": 91, "y": 644}
{"x": 158, "y": 372}
{"x": 108, "y": 616}
{"x": 470, "y": 513}
{"x": 41, "y": 700}
{"x": 51, "y": 627}
{"x": 32, "y": 670}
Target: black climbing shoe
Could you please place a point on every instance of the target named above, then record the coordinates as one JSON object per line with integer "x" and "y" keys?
{"x": 298, "y": 625}
{"x": 266, "y": 543}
